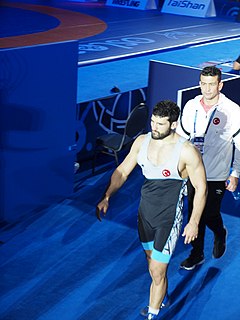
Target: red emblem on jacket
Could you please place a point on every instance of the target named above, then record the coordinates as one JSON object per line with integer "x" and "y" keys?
{"x": 216, "y": 121}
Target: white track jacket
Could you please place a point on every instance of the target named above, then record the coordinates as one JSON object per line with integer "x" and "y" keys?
{"x": 222, "y": 139}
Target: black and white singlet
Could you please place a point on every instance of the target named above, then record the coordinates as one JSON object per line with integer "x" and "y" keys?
{"x": 160, "y": 209}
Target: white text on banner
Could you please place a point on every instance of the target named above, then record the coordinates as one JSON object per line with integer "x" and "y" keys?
{"x": 133, "y": 4}
{"x": 195, "y": 8}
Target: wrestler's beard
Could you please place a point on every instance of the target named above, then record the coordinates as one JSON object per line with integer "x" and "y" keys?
{"x": 161, "y": 136}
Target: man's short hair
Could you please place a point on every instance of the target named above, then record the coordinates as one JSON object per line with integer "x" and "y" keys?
{"x": 212, "y": 71}
{"x": 167, "y": 108}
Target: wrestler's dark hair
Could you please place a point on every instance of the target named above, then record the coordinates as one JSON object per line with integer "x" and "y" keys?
{"x": 167, "y": 108}
{"x": 212, "y": 71}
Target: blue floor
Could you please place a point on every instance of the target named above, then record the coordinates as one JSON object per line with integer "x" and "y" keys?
{"x": 62, "y": 263}
{"x": 120, "y": 54}
{"x": 130, "y": 74}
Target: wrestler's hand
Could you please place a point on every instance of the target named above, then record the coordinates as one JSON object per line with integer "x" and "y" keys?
{"x": 190, "y": 232}
{"x": 102, "y": 207}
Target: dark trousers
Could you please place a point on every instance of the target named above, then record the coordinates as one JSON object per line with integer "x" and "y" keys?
{"x": 211, "y": 216}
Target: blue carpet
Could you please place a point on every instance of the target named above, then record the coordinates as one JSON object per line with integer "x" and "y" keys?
{"x": 64, "y": 264}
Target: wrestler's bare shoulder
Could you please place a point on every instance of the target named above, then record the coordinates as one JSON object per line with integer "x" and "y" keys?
{"x": 139, "y": 140}
{"x": 189, "y": 150}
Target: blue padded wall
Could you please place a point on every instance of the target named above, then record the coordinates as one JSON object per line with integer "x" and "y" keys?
{"x": 38, "y": 87}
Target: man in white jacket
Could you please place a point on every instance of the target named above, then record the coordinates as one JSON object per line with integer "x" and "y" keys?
{"x": 212, "y": 122}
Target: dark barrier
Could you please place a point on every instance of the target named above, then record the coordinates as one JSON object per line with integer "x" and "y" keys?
{"x": 37, "y": 126}
{"x": 166, "y": 79}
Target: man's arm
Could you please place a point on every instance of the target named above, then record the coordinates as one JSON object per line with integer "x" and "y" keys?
{"x": 183, "y": 128}
{"x": 196, "y": 173}
{"x": 119, "y": 176}
{"x": 232, "y": 180}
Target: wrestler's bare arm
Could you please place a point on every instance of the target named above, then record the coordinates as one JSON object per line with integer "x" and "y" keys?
{"x": 196, "y": 173}
{"x": 119, "y": 176}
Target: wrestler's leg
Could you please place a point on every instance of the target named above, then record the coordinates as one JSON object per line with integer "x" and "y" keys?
{"x": 158, "y": 289}
{"x": 157, "y": 262}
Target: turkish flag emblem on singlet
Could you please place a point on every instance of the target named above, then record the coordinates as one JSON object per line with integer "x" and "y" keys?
{"x": 166, "y": 173}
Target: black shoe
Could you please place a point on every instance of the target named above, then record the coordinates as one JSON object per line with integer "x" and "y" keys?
{"x": 220, "y": 245}
{"x": 192, "y": 261}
